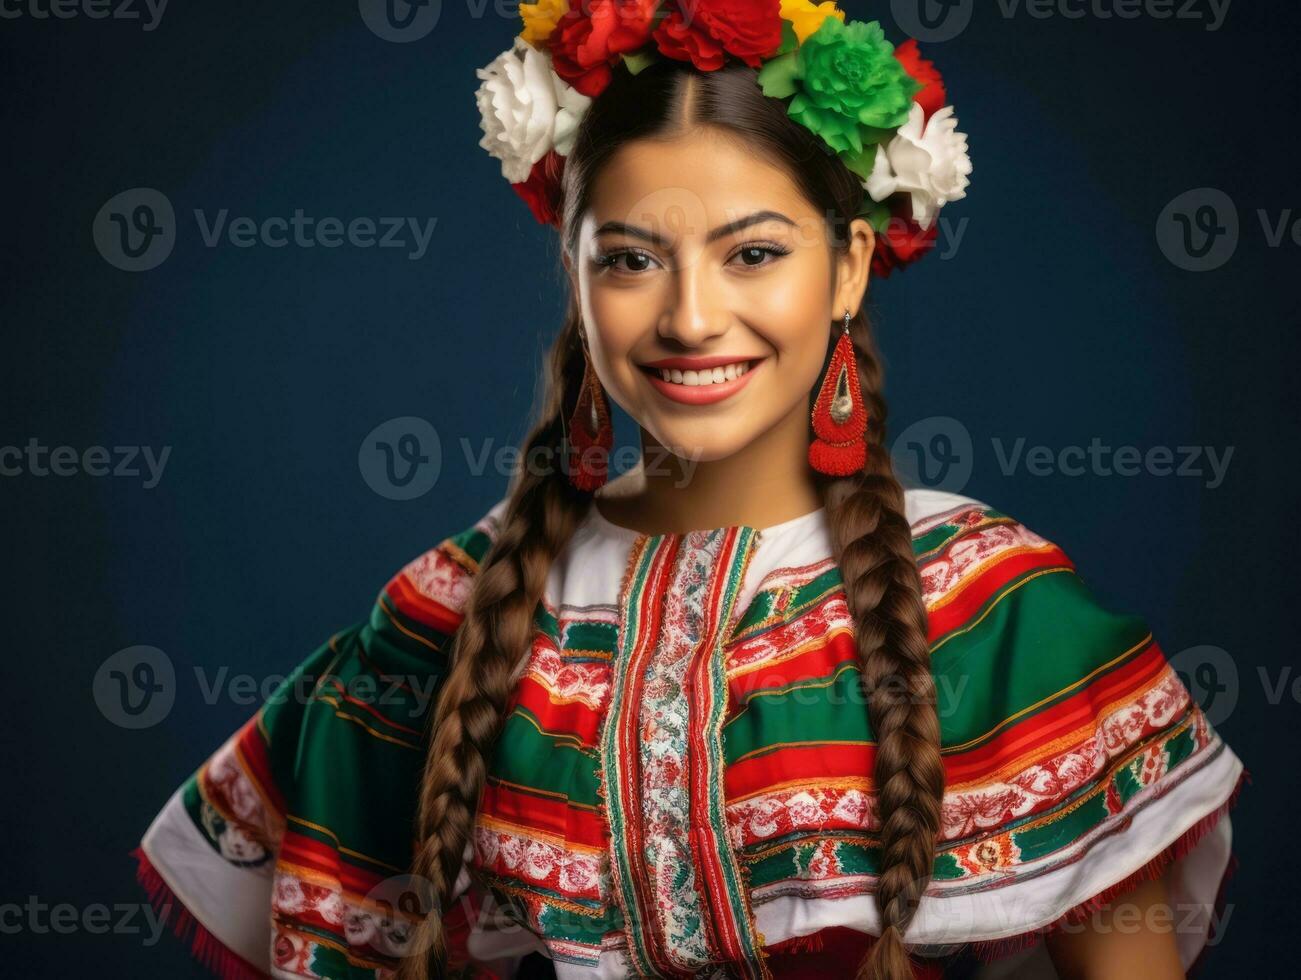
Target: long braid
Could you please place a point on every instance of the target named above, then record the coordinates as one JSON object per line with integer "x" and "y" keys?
{"x": 873, "y": 544}
{"x": 496, "y": 631}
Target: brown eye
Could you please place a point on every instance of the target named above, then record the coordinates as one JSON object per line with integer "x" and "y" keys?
{"x": 753, "y": 256}
{"x": 635, "y": 261}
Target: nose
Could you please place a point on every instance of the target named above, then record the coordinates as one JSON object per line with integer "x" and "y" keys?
{"x": 697, "y": 309}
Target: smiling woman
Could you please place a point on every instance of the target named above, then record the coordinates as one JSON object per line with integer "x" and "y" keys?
{"x": 778, "y": 718}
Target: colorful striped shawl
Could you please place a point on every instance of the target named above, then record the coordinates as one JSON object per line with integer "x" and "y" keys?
{"x": 683, "y": 778}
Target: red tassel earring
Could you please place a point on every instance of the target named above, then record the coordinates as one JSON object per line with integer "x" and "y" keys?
{"x": 839, "y": 415}
{"x": 591, "y": 435}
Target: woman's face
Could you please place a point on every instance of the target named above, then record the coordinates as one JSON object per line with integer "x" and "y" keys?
{"x": 699, "y": 258}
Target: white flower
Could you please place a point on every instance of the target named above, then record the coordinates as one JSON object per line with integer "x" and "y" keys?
{"x": 929, "y": 163}
{"x": 526, "y": 109}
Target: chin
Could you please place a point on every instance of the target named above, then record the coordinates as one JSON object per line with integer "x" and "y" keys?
{"x": 690, "y": 442}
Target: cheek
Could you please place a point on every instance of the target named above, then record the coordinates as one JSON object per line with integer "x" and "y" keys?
{"x": 616, "y": 320}
{"x": 791, "y": 309}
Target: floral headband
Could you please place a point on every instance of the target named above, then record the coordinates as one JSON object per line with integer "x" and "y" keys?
{"x": 879, "y": 108}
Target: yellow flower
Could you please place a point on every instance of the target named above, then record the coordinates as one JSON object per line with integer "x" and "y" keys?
{"x": 806, "y": 17}
{"x": 540, "y": 19}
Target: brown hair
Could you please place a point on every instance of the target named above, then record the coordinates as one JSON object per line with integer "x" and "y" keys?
{"x": 871, "y": 535}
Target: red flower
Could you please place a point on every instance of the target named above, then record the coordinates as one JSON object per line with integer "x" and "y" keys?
{"x": 592, "y": 34}
{"x": 902, "y": 243}
{"x": 541, "y": 192}
{"x": 715, "y": 28}
{"x": 933, "y": 97}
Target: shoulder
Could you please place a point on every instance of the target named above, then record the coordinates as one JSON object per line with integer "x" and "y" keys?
{"x": 969, "y": 553}
{"x": 423, "y": 601}
{"x": 973, "y": 556}
{"x": 1073, "y": 752}
{"x": 1006, "y": 605}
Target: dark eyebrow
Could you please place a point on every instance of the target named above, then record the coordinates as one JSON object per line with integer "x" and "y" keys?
{"x": 717, "y": 233}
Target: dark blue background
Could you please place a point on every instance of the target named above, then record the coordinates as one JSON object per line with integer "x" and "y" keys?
{"x": 1057, "y": 320}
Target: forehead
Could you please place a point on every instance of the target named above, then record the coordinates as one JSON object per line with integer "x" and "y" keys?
{"x": 690, "y": 184}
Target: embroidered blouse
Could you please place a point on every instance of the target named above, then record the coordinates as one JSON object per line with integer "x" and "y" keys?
{"x": 682, "y": 786}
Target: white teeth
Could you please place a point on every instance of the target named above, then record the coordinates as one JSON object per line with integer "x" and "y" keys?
{"x": 708, "y": 376}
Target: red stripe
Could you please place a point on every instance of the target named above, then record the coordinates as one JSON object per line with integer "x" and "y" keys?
{"x": 963, "y": 602}
{"x": 818, "y": 663}
{"x": 257, "y": 762}
{"x": 1080, "y": 710}
{"x": 410, "y": 602}
{"x": 575, "y": 718}
{"x": 335, "y": 683}
{"x": 821, "y": 760}
{"x": 704, "y": 842}
{"x": 307, "y": 852}
{"x": 582, "y": 826}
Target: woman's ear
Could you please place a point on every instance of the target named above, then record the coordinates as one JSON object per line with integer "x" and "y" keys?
{"x": 853, "y": 267}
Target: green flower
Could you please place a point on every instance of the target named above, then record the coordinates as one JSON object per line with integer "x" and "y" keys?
{"x": 847, "y": 87}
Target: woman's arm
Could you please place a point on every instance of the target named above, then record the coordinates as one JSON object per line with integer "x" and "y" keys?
{"x": 1132, "y": 936}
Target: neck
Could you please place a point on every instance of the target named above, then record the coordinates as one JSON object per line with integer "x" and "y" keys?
{"x": 767, "y": 482}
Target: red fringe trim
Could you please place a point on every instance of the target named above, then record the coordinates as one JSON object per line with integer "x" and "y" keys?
{"x": 992, "y": 949}
{"x": 204, "y": 946}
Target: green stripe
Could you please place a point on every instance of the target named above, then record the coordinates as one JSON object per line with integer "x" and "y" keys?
{"x": 737, "y": 899}
{"x": 473, "y": 541}
{"x": 943, "y": 535}
{"x": 1042, "y": 634}
{"x": 802, "y": 599}
{"x": 590, "y": 637}
{"x": 792, "y": 861}
{"x": 826, "y": 710}
{"x": 393, "y": 642}
{"x": 1037, "y": 641}
{"x": 547, "y": 763}
{"x": 615, "y": 774}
